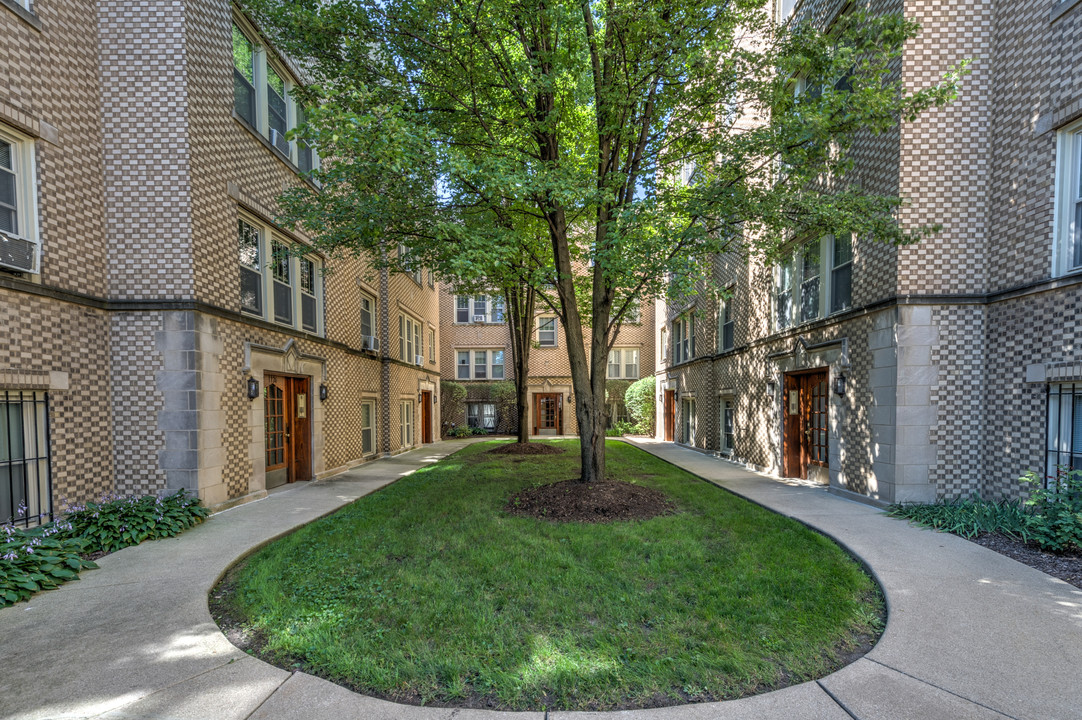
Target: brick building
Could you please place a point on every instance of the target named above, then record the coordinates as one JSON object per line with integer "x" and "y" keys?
{"x": 160, "y": 329}
{"x": 476, "y": 352}
{"x": 940, "y": 369}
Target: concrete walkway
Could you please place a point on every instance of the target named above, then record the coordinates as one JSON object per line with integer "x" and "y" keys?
{"x": 971, "y": 634}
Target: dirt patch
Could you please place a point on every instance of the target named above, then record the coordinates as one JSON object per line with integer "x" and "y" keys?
{"x": 597, "y": 502}
{"x": 533, "y": 448}
{"x": 1065, "y": 567}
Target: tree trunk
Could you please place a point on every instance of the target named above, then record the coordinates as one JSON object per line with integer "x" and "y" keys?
{"x": 520, "y": 307}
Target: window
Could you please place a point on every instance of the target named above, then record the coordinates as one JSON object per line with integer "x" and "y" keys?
{"x": 623, "y": 364}
{"x": 479, "y": 308}
{"x": 1068, "y": 228}
{"x": 683, "y": 338}
{"x": 431, "y": 280}
{"x": 25, "y": 482}
{"x": 818, "y": 275}
{"x": 726, "y": 324}
{"x": 409, "y": 340}
{"x": 546, "y": 332}
{"x": 431, "y": 346}
{"x": 633, "y": 316}
{"x": 687, "y": 421}
{"x": 664, "y": 346}
{"x": 368, "y": 318}
{"x": 409, "y": 265}
{"x": 290, "y": 279}
{"x": 368, "y": 432}
{"x": 728, "y": 412}
{"x": 785, "y": 9}
{"x": 405, "y": 420}
{"x": 481, "y": 415}
{"x": 480, "y": 365}
{"x": 19, "y": 246}
{"x": 841, "y": 272}
{"x": 1064, "y": 447}
{"x": 616, "y": 412}
{"x": 263, "y": 98}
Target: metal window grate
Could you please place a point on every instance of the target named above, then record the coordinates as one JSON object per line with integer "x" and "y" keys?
{"x": 1064, "y": 446}
{"x": 25, "y": 471}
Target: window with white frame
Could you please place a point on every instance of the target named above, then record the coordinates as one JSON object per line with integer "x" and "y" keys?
{"x": 687, "y": 421}
{"x": 481, "y": 415}
{"x": 813, "y": 281}
{"x": 263, "y": 97}
{"x": 480, "y": 365}
{"x": 20, "y": 248}
{"x": 368, "y": 321}
{"x": 368, "y": 427}
{"x": 479, "y": 309}
{"x": 409, "y": 340}
{"x": 683, "y": 338}
{"x": 405, "y": 423}
{"x": 726, "y": 323}
{"x": 1064, "y": 447}
{"x": 728, "y": 421}
{"x": 664, "y": 346}
{"x": 431, "y": 345}
{"x": 1068, "y": 203}
{"x": 271, "y": 268}
{"x": 633, "y": 316}
{"x": 25, "y": 481}
{"x": 785, "y": 9}
{"x": 546, "y": 332}
{"x": 623, "y": 364}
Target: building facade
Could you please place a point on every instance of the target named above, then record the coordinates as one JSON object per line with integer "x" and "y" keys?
{"x": 162, "y": 331}
{"x": 934, "y": 370}
{"x": 476, "y": 354}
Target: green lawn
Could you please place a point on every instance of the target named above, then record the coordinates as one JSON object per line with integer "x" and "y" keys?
{"x": 427, "y": 591}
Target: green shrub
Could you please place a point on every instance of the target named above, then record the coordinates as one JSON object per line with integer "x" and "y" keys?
{"x": 460, "y": 431}
{"x": 1054, "y": 517}
{"x": 620, "y": 429}
{"x": 639, "y": 400}
{"x": 118, "y": 522}
{"x": 968, "y": 517}
{"x": 38, "y": 559}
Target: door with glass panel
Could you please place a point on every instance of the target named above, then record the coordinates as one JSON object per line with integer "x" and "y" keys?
{"x": 287, "y": 429}
{"x": 547, "y": 413}
{"x": 806, "y": 421}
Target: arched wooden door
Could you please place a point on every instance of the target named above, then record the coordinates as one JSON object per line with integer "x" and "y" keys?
{"x": 287, "y": 404}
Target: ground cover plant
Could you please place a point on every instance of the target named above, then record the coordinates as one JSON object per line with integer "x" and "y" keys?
{"x": 44, "y": 557}
{"x": 429, "y": 591}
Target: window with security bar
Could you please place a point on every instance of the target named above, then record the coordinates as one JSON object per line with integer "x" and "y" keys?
{"x": 25, "y": 477}
{"x": 1064, "y": 447}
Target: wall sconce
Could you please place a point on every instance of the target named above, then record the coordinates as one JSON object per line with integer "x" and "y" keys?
{"x": 839, "y": 384}
{"x": 322, "y": 391}
{"x": 253, "y": 388}
{"x": 771, "y": 387}
{"x": 420, "y": 397}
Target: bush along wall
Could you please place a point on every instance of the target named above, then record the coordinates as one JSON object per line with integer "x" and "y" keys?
{"x": 44, "y": 557}
{"x": 639, "y": 399}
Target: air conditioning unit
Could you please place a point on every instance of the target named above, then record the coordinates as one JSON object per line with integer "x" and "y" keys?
{"x": 17, "y": 253}
{"x": 479, "y": 318}
{"x": 279, "y": 141}
{"x": 370, "y": 342}
{"x": 418, "y": 359}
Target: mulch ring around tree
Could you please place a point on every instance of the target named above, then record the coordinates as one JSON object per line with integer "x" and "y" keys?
{"x": 596, "y": 502}
{"x": 531, "y": 448}
{"x": 1065, "y": 567}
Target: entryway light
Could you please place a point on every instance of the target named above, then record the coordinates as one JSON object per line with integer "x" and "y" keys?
{"x": 839, "y": 384}
{"x": 253, "y": 388}
{"x": 322, "y": 391}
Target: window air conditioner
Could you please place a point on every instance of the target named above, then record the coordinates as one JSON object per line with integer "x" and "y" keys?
{"x": 17, "y": 253}
{"x": 370, "y": 342}
{"x": 278, "y": 140}
{"x": 418, "y": 359}
{"x": 479, "y": 318}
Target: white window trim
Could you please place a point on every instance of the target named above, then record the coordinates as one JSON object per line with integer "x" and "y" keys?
{"x": 688, "y": 413}
{"x": 1068, "y": 169}
{"x": 686, "y": 324}
{"x": 372, "y": 419}
{"x": 405, "y": 424}
{"x": 481, "y": 415}
{"x": 410, "y": 338}
{"x": 726, "y": 448}
{"x": 372, "y": 311}
{"x": 432, "y": 345}
{"x": 826, "y": 280}
{"x": 490, "y": 309}
{"x": 726, "y": 305}
{"x": 261, "y": 59}
{"x": 26, "y": 199}
{"x": 623, "y": 355}
{"x": 555, "y": 331}
{"x": 488, "y": 363}
{"x": 267, "y": 235}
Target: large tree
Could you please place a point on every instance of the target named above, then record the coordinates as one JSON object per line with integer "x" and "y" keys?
{"x": 613, "y": 124}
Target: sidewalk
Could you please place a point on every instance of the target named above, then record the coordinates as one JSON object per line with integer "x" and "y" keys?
{"x": 971, "y": 634}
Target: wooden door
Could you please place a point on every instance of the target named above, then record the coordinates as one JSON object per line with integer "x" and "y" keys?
{"x": 426, "y": 417}
{"x": 806, "y": 416}
{"x": 670, "y": 414}
{"x": 547, "y": 413}
{"x": 287, "y": 429}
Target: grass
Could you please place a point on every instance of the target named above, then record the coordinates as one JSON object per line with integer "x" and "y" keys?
{"x": 969, "y": 517}
{"x": 427, "y": 591}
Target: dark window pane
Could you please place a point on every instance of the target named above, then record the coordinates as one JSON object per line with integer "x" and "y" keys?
{"x": 243, "y": 97}
{"x": 809, "y": 299}
{"x": 283, "y": 303}
{"x": 727, "y": 335}
{"x": 1076, "y": 237}
{"x": 308, "y": 313}
{"x": 841, "y": 290}
{"x": 251, "y": 291}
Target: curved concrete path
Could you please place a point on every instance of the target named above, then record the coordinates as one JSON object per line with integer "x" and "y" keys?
{"x": 971, "y": 634}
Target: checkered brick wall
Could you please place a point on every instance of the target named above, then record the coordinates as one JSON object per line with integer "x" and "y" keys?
{"x": 81, "y": 418}
{"x": 135, "y": 360}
